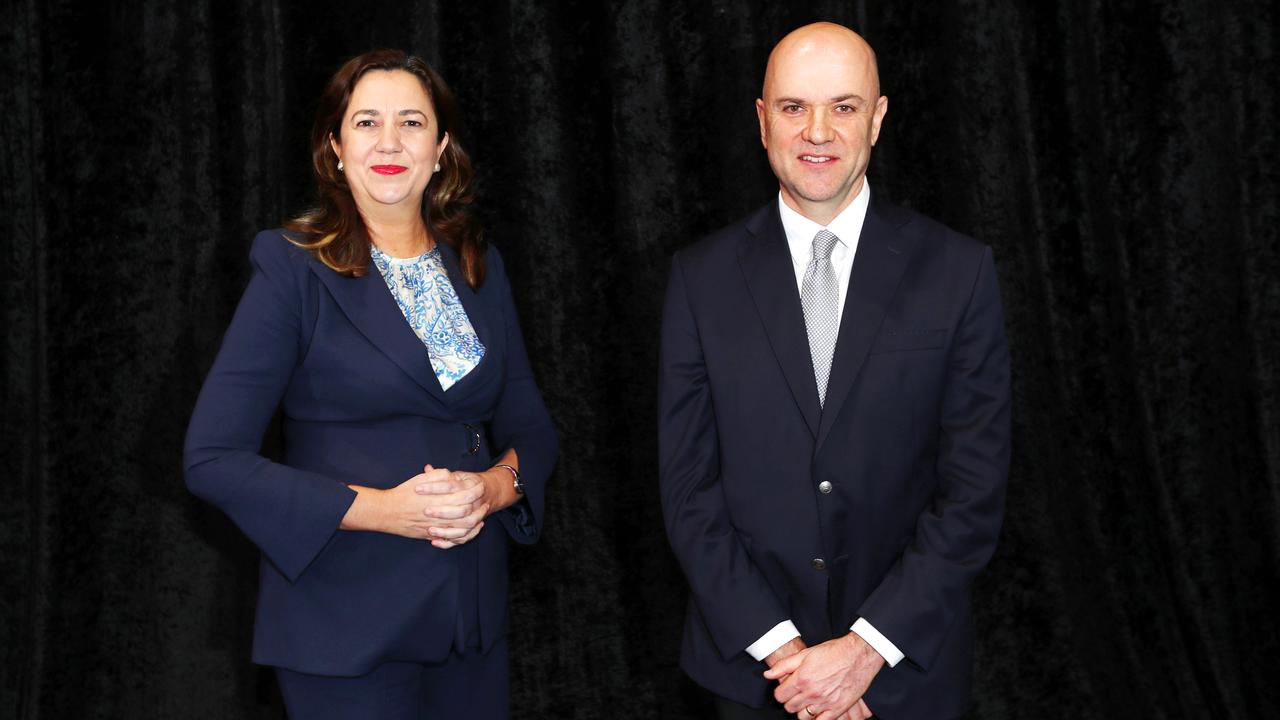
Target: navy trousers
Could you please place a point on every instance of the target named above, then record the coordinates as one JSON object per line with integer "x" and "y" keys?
{"x": 471, "y": 685}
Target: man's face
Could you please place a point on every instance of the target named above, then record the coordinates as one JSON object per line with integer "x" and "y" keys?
{"x": 819, "y": 117}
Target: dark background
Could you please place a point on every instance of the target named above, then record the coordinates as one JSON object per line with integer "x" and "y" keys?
{"x": 1118, "y": 156}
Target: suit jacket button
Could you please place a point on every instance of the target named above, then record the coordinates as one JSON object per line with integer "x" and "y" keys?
{"x": 819, "y": 564}
{"x": 824, "y": 487}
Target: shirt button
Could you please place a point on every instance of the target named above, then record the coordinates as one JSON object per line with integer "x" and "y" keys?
{"x": 819, "y": 564}
{"x": 824, "y": 487}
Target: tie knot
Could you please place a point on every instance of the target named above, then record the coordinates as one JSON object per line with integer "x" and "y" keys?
{"x": 823, "y": 243}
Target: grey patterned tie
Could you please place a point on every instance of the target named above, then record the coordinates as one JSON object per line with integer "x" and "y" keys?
{"x": 820, "y": 297}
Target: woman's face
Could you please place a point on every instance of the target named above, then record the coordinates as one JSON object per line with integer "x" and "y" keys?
{"x": 388, "y": 142}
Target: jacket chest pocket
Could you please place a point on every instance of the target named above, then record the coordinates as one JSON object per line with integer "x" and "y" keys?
{"x": 905, "y": 339}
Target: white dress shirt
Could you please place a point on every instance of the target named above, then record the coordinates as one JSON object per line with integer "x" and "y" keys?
{"x": 847, "y": 227}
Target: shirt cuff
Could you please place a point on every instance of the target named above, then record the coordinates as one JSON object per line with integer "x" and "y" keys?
{"x": 890, "y": 652}
{"x": 780, "y": 635}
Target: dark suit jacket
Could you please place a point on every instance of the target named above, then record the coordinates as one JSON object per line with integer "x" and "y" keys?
{"x": 914, "y": 439}
{"x": 362, "y": 405}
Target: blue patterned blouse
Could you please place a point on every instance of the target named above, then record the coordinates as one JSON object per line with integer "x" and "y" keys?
{"x": 422, "y": 289}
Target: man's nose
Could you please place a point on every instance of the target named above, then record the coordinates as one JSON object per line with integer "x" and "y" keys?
{"x": 818, "y": 129}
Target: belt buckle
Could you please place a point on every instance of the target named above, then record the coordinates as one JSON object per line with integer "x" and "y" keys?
{"x": 475, "y": 438}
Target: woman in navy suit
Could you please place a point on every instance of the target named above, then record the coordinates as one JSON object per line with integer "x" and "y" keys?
{"x": 416, "y": 441}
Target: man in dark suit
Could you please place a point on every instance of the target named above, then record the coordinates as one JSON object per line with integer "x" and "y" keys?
{"x": 834, "y": 422}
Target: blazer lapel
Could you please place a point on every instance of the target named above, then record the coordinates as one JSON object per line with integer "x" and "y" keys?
{"x": 766, "y": 264}
{"x": 470, "y": 299}
{"x": 881, "y": 259}
{"x": 369, "y": 306}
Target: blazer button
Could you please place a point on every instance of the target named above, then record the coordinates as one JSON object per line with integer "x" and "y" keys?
{"x": 819, "y": 564}
{"x": 473, "y": 438}
{"x": 824, "y": 487}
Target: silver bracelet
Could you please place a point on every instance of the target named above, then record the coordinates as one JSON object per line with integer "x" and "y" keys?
{"x": 515, "y": 478}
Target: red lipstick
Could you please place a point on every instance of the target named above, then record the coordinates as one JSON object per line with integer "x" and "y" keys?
{"x": 389, "y": 169}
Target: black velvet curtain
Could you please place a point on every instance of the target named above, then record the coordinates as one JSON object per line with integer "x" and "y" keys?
{"x": 1119, "y": 157}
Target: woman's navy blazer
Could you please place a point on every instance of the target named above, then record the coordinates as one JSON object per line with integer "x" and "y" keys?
{"x": 361, "y": 405}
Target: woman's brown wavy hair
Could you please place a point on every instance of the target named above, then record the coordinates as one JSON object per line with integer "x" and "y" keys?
{"x": 333, "y": 230}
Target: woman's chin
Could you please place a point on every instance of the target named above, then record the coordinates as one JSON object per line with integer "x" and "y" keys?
{"x": 396, "y": 197}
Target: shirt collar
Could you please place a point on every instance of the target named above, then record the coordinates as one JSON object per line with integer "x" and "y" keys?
{"x": 847, "y": 226}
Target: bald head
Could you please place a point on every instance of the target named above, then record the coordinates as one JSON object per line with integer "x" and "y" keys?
{"x": 820, "y": 112}
{"x": 823, "y": 43}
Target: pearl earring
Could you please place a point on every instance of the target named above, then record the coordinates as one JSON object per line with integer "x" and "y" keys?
{"x": 437, "y": 167}
{"x": 339, "y": 166}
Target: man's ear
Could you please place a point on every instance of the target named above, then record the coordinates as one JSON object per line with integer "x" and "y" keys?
{"x": 764, "y": 136}
{"x": 882, "y": 108}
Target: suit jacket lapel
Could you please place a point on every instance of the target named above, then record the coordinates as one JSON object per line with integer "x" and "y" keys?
{"x": 881, "y": 259}
{"x": 369, "y": 306}
{"x": 766, "y": 264}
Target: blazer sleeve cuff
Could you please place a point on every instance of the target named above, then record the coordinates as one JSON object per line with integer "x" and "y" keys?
{"x": 537, "y": 452}
{"x": 519, "y": 523}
